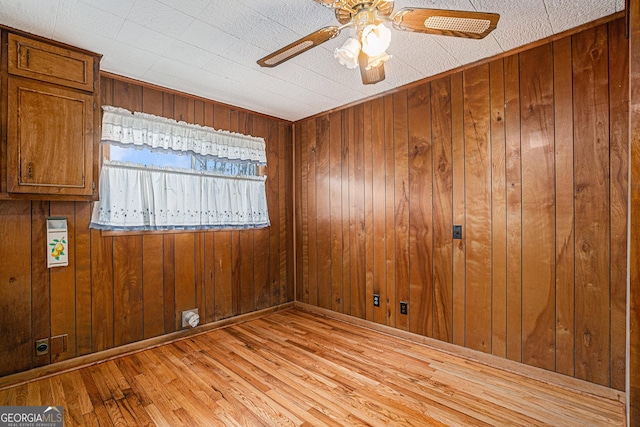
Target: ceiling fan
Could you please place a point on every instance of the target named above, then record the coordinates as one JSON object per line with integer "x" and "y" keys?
{"x": 371, "y": 38}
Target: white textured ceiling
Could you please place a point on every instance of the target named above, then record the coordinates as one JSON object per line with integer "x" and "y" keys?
{"x": 210, "y": 47}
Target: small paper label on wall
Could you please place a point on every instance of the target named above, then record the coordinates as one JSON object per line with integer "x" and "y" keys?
{"x": 57, "y": 242}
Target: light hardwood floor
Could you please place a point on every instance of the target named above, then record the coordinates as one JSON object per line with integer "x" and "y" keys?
{"x": 297, "y": 368}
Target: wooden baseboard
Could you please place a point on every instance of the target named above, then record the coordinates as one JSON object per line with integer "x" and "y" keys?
{"x": 112, "y": 353}
{"x": 528, "y": 371}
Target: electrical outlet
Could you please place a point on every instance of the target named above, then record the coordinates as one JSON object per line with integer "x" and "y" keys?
{"x": 403, "y": 307}
{"x": 457, "y": 232}
{"x": 42, "y": 347}
{"x": 376, "y": 300}
{"x": 190, "y": 318}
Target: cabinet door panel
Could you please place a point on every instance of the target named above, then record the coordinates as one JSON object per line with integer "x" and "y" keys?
{"x": 49, "y": 139}
{"x": 42, "y": 61}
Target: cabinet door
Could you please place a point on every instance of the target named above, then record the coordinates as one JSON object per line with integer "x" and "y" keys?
{"x": 49, "y": 139}
{"x": 54, "y": 64}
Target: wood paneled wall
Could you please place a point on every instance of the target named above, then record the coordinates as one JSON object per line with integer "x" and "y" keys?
{"x": 117, "y": 290}
{"x": 529, "y": 154}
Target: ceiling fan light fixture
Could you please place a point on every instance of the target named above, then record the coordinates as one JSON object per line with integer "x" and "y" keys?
{"x": 376, "y": 61}
{"x": 370, "y": 75}
{"x": 375, "y": 39}
{"x": 347, "y": 55}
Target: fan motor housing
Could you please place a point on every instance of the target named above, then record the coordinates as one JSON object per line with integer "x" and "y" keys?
{"x": 348, "y": 9}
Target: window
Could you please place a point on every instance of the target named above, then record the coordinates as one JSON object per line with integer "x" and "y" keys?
{"x": 168, "y": 175}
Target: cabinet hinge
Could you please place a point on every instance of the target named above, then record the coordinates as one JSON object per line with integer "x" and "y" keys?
{"x": 93, "y": 185}
{"x": 94, "y": 106}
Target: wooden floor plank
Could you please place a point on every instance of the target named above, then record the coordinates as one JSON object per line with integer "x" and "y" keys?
{"x": 297, "y": 368}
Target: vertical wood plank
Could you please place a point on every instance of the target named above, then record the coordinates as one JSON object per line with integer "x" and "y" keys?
{"x": 401, "y": 205}
{"x": 565, "y": 238}
{"x": 440, "y": 169}
{"x": 277, "y": 231}
{"x": 347, "y": 148}
{"x": 378, "y": 210}
{"x": 633, "y": 364}
{"x": 591, "y": 128}
{"x": 312, "y": 213}
{"x": 357, "y": 224}
{"x": 538, "y": 207}
{"x": 287, "y": 281}
{"x": 478, "y": 208}
{"x": 101, "y": 291}
{"x": 40, "y": 298}
{"x": 459, "y": 247}
{"x": 152, "y": 285}
{"x": 247, "y": 287}
{"x": 367, "y": 139}
{"x": 127, "y": 289}
{"x": 323, "y": 209}
{"x": 498, "y": 211}
{"x": 619, "y": 167}
{"x": 15, "y": 286}
{"x": 335, "y": 236}
{"x": 389, "y": 303}
{"x": 63, "y": 286}
{"x": 83, "y": 277}
{"x": 224, "y": 262}
{"x": 185, "y": 268}
{"x": 200, "y": 289}
{"x": 302, "y": 228}
{"x": 261, "y": 250}
{"x": 514, "y": 202}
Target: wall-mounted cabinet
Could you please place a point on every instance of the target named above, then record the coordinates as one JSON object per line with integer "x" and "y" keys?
{"x": 52, "y": 119}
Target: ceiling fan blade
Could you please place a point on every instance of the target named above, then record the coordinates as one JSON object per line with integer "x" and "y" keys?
{"x": 374, "y": 74}
{"x": 455, "y": 23}
{"x": 299, "y": 46}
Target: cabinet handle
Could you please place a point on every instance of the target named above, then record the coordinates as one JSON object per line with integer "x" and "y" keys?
{"x": 27, "y": 58}
{"x": 30, "y": 170}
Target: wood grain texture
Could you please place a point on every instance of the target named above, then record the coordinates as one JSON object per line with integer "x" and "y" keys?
{"x": 498, "y": 149}
{"x": 379, "y": 264}
{"x": 296, "y": 368}
{"x": 498, "y": 211}
{"x": 565, "y": 235}
{"x": 442, "y": 219}
{"x": 82, "y": 256}
{"x": 335, "y": 230}
{"x": 591, "y": 163}
{"x": 389, "y": 304}
{"x": 122, "y": 289}
{"x": 15, "y": 292}
{"x": 421, "y": 284}
{"x": 514, "y": 208}
{"x": 62, "y": 290}
{"x": 538, "y": 206}
{"x": 323, "y": 200}
{"x": 357, "y": 222}
{"x": 633, "y": 364}
{"x": 127, "y": 289}
{"x": 401, "y": 205}
{"x": 618, "y": 193}
{"x": 477, "y": 156}
{"x": 347, "y": 141}
{"x": 458, "y": 209}
{"x": 40, "y": 298}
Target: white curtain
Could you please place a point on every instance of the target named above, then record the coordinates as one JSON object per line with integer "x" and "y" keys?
{"x": 124, "y": 127}
{"x": 134, "y": 197}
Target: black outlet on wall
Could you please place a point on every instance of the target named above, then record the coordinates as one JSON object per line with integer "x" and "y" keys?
{"x": 457, "y": 232}
{"x": 376, "y": 300}
{"x": 403, "y": 307}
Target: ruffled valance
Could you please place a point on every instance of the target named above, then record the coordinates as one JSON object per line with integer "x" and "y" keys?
{"x": 124, "y": 127}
